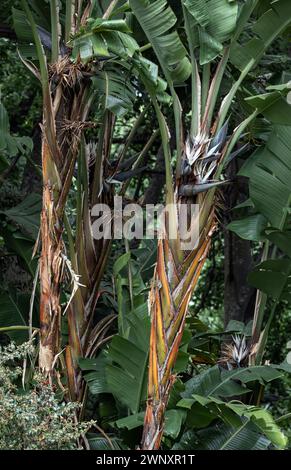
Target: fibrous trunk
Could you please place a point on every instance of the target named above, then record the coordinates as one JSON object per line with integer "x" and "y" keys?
{"x": 62, "y": 126}
{"x": 51, "y": 270}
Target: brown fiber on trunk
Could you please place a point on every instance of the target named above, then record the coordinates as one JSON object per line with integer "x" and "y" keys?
{"x": 61, "y": 132}
{"x": 51, "y": 270}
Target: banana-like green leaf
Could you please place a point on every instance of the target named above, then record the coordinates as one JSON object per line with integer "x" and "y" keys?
{"x": 235, "y": 413}
{"x": 115, "y": 86}
{"x": 22, "y": 246}
{"x": 107, "y": 25}
{"x": 147, "y": 71}
{"x": 41, "y": 14}
{"x": 14, "y": 311}
{"x": 130, "y": 289}
{"x": 9, "y": 143}
{"x": 122, "y": 369}
{"x": 280, "y": 238}
{"x": 223, "y": 383}
{"x": 173, "y": 422}
{"x": 26, "y": 214}
{"x": 103, "y": 38}
{"x": 249, "y": 228}
{"x": 151, "y": 72}
{"x": 223, "y": 437}
{"x": 273, "y": 105}
{"x": 101, "y": 443}
{"x": 127, "y": 373}
{"x": 157, "y": 20}
{"x": 213, "y": 23}
{"x": 269, "y": 173}
{"x": 269, "y": 25}
{"x": 273, "y": 277}
{"x": 130, "y": 422}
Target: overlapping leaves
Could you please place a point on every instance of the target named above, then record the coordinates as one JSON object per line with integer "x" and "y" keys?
{"x": 9, "y": 143}
{"x": 223, "y": 437}
{"x": 212, "y": 22}
{"x": 116, "y": 88}
{"x": 104, "y": 39}
{"x": 268, "y": 26}
{"x": 157, "y": 20}
{"x": 269, "y": 173}
{"x": 122, "y": 369}
{"x": 209, "y": 391}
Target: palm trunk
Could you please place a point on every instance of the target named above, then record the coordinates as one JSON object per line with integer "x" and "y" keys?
{"x": 63, "y": 123}
{"x": 51, "y": 269}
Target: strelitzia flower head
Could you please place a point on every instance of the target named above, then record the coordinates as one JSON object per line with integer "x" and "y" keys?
{"x": 234, "y": 355}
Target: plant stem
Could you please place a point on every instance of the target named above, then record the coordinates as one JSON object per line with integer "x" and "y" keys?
{"x": 68, "y": 21}
{"x": 16, "y": 328}
{"x": 39, "y": 48}
{"x": 110, "y": 9}
{"x": 195, "y": 80}
{"x": 205, "y": 85}
{"x": 214, "y": 91}
{"x": 283, "y": 418}
{"x": 55, "y": 30}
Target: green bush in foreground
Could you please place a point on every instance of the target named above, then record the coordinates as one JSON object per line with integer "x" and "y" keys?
{"x": 33, "y": 419}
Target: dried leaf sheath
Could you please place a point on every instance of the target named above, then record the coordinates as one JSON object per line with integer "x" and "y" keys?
{"x": 60, "y": 146}
{"x": 51, "y": 267}
{"x": 169, "y": 298}
{"x": 51, "y": 273}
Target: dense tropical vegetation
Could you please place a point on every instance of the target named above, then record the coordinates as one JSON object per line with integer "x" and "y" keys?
{"x": 119, "y": 342}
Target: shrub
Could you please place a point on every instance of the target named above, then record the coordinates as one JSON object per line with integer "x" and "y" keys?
{"x": 34, "y": 419}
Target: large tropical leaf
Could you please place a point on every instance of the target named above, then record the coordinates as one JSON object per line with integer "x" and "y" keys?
{"x": 130, "y": 422}
{"x": 27, "y": 214}
{"x": 174, "y": 419}
{"x": 14, "y": 312}
{"x": 41, "y": 14}
{"x": 116, "y": 88}
{"x": 147, "y": 71}
{"x": 103, "y": 443}
{"x": 273, "y": 276}
{"x": 269, "y": 173}
{"x": 9, "y": 143}
{"x": 129, "y": 291}
{"x": 273, "y": 104}
{"x": 268, "y": 26}
{"x": 223, "y": 383}
{"x": 122, "y": 370}
{"x": 126, "y": 375}
{"x": 104, "y": 38}
{"x": 235, "y": 413}
{"x": 213, "y": 22}
{"x": 249, "y": 228}
{"x": 280, "y": 238}
{"x": 223, "y": 437}
{"x": 22, "y": 246}
{"x": 157, "y": 20}
{"x": 209, "y": 388}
